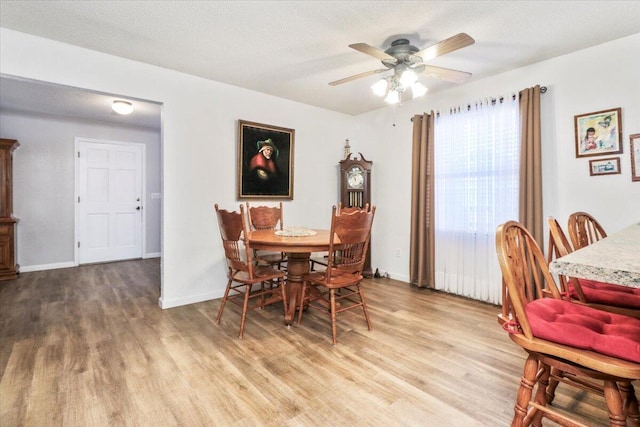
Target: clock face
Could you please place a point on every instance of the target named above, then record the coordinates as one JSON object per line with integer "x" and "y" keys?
{"x": 355, "y": 178}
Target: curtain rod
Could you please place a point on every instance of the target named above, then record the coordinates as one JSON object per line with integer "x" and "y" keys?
{"x": 543, "y": 89}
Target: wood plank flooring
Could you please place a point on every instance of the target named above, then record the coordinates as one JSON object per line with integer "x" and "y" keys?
{"x": 89, "y": 346}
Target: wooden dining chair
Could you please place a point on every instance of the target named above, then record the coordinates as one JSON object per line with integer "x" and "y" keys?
{"x": 584, "y": 230}
{"x": 242, "y": 273}
{"x": 604, "y": 296}
{"x": 322, "y": 261}
{"x": 267, "y": 218}
{"x": 585, "y": 345}
{"x": 348, "y": 241}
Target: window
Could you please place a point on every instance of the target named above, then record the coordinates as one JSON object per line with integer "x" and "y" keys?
{"x": 476, "y": 181}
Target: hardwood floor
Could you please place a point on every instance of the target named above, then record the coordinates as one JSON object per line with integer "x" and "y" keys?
{"x": 89, "y": 346}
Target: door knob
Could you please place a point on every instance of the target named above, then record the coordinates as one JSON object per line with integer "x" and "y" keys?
{"x": 138, "y": 208}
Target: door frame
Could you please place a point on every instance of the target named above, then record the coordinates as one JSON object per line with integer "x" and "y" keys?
{"x": 76, "y": 209}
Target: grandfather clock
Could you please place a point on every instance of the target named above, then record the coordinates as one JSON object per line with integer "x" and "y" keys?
{"x": 8, "y": 266}
{"x": 355, "y": 190}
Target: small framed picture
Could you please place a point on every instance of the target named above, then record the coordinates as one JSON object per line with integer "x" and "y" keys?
{"x": 265, "y": 161}
{"x": 608, "y": 166}
{"x": 599, "y": 133}
{"x": 634, "y": 140}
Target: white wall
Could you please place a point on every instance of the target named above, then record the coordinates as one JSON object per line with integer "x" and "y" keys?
{"x": 43, "y": 182}
{"x": 199, "y": 149}
{"x": 594, "y": 79}
{"x": 199, "y": 146}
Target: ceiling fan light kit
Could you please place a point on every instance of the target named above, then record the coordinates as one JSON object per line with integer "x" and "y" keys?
{"x": 391, "y": 88}
{"x": 393, "y": 97}
{"x": 380, "y": 87}
{"x": 418, "y": 90}
{"x": 407, "y": 62}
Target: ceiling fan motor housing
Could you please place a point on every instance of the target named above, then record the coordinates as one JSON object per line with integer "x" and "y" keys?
{"x": 403, "y": 52}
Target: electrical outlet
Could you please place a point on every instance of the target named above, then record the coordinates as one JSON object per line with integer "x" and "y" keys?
{"x": 397, "y": 252}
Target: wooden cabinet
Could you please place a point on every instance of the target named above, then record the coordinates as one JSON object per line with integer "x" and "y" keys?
{"x": 8, "y": 267}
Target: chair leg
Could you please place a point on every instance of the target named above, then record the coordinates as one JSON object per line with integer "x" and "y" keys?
{"x": 364, "y": 305}
{"x": 334, "y": 328}
{"x": 245, "y": 307}
{"x": 527, "y": 382}
{"x": 534, "y": 417}
{"x": 283, "y": 292}
{"x": 300, "y": 301}
{"x": 553, "y": 384}
{"x": 614, "y": 404}
{"x": 262, "y": 292}
{"x": 224, "y": 301}
{"x": 630, "y": 404}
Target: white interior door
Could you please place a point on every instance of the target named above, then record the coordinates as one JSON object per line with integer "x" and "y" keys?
{"x": 109, "y": 201}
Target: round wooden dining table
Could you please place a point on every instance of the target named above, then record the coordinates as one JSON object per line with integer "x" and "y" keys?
{"x": 298, "y": 250}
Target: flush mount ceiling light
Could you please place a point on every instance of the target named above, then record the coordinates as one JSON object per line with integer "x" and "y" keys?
{"x": 407, "y": 62}
{"x": 122, "y": 107}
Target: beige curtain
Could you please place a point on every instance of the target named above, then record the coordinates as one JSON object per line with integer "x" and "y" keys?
{"x": 421, "y": 257}
{"x": 530, "y": 206}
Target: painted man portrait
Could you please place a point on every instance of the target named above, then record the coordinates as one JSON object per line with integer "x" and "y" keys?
{"x": 266, "y": 164}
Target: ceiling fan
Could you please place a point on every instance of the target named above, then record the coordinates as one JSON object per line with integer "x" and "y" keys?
{"x": 407, "y": 62}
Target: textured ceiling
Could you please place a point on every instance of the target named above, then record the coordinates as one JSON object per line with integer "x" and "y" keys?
{"x": 45, "y": 99}
{"x": 292, "y": 49}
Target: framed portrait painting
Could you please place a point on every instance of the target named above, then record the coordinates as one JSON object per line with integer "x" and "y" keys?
{"x": 608, "y": 166}
{"x": 599, "y": 133}
{"x": 634, "y": 140}
{"x": 265, "y": 161}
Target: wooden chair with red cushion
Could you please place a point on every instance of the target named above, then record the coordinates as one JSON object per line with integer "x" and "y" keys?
{"x": 604, "y": 296}
{"x": 242, "y": 272}
{"x": 267, "y": 218}
{"x": 348, "y": 242}
{"x": 584, "y": 344}
{"x": 584, "y": 230}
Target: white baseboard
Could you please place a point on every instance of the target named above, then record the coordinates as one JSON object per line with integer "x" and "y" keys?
{"x": 152, "y": 255}
{"x": 29, "y": 268}
{"x": 400, "y": 277}
{"x": 164, "y": 303}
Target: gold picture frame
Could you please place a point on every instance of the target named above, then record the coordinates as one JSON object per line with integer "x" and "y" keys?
{"x": 265, "y": 161}
{"x": 599, "y": 133}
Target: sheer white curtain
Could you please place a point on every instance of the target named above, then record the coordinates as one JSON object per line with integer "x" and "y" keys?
{"x": 477, "y": 155}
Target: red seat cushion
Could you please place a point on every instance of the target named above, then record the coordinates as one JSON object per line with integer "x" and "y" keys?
{"x": 579, "y": 326}
{"x": 608, "y": 293}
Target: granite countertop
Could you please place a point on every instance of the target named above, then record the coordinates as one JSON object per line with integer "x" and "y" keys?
{"x": 615, "y": 259}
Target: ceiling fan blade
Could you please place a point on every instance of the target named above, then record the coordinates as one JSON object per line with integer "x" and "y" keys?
{"x": 446, "y": 74}
{"x": 445, "y": 46}
{"x": 357, "y": 76}
{"x": 372, "y": 51}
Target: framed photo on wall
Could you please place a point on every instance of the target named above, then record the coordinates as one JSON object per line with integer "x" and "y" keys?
{"x": 634, "y": 140}
{"x": 599, "y": 133}
{"x": 608, "y": 166}
{"x": 265, "y": 161}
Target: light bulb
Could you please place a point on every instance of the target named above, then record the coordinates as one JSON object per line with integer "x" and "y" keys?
{"x": 380, "y": 87}
{"x": 122, "y": 107}
{"x": 393, "y": 97}
{"x": 408, "y": 78}
{"x": 418, "y": 90}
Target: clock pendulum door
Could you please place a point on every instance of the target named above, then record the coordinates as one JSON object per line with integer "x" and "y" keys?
{"x": 355, "y": 190}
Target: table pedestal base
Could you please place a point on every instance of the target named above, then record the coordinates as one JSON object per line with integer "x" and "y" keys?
{"x": 297, "y": 266}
